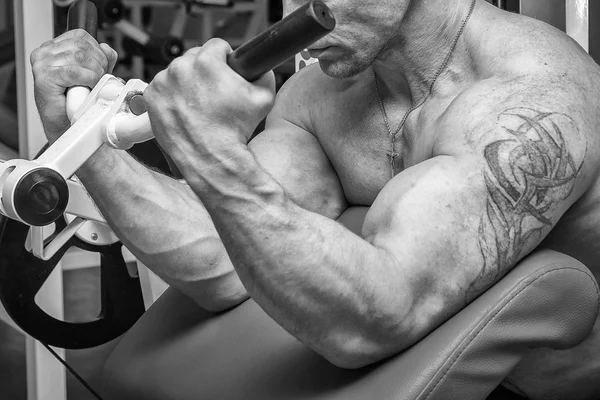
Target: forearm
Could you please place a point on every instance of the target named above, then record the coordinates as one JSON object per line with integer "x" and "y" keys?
{"x": 164, "y": 224}
{"x": 324, "y": 284}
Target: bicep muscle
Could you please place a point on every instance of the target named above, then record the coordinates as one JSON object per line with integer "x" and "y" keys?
{"x": 295, "y": 159}
{"x": 457, "y": 224}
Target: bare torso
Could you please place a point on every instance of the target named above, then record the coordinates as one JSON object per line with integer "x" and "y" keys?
{"x": 357, "y": 143}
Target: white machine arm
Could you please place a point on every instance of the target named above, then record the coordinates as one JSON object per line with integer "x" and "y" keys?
{"x": 38, "y": 192}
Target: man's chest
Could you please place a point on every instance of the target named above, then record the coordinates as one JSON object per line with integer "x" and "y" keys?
{"x": 366, "y": 154}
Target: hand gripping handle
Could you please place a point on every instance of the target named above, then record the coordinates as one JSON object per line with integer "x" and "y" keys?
{"x": 82, "y": 15}
{"x": 251, "y": 60}
{"x": 22, "y": 274}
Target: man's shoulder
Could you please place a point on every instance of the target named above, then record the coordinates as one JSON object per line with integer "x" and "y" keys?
{"x": 306, "y": 94}
{"x": 547, "y": 92}
{"x": 542, "y": 118}
{"x": 516, "y": 43}
{"x": 532, "y": 61}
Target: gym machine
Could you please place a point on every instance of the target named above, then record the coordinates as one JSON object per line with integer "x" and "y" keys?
{"x": 48, "y": 209}
{"x": 24, "y": 225}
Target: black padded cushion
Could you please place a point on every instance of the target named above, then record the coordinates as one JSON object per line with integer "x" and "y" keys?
{"x": 181, "y": 352}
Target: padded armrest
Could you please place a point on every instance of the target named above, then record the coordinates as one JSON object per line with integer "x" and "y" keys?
{"x": 548, "y": 300}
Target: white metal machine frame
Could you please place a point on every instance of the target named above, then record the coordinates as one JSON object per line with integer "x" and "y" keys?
{"x": 34, "y": 24}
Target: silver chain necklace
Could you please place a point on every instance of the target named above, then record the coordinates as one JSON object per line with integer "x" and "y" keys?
{"x": 393, "y": 154}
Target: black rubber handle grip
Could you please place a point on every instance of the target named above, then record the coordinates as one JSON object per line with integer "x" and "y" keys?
{"x": 83, "y": 15}
{"x": 282, "y": 40}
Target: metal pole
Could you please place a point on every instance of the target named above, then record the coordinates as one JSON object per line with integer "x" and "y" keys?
{"x": 34, "y": 25}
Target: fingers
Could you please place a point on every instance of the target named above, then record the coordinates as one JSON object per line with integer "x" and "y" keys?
{"x": 69, "y": 52}
{"x": 71, "y": 63}
{"x": 206, "y": 62}
{"x": 73, "y": 75}
{"x": 74, "y": 58}
{"x": 262, "y": 88}
{"x": 111, "y": 55}
{"x": 83, "y": 47}
{"x": 79, "y": 38}
{"x": 266, "y": 82}
{"x": 193, "y": 52}
{"x": 215, "y": 47}
{"x": 77, "y": 34}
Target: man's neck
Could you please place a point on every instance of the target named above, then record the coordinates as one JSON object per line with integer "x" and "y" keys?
{"x": 413, "y": 57}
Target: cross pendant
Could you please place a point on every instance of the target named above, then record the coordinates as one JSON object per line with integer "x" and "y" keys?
{"x": 393, "y": 155}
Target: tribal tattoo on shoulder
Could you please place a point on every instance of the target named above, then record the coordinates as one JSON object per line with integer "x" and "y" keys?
{"x": 531, "y": 168}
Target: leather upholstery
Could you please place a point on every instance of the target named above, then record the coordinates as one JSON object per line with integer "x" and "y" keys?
{"x": 179, "y": 351}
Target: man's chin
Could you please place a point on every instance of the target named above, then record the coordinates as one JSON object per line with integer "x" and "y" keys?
{"x": 339, "y": 69}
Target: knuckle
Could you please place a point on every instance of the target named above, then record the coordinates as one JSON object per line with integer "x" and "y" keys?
{"x": 106, "y": 53}
{"x": 214, "y": 48}
{"x": 214, "y": 42}
{"x": 191, "y": 52}
{"x": 69, "y": 43}
{"x": 41, "y": 52}
{"x": 150, "y": 89}
{"x": 163, "y": 81}
{"x": 154, "y": 86}
{"x": 161, "y": 76}
{"x": 34, "y": 56}
{"x": 39, "y": 67}
{"x": 218, "y": 43}
{"x": 205, "y": 61}
{"x": 80, "y": 56}
{"x": 49, "y": 43}
{"x": 52, "y": 76}
{"x": 79, "y": 44}
{"x": 80, "y": 33}
{"x": 38, "y": 71}
{"x": 72, "y": 73}
{"x": 201, "y": 60}
{"x": 149, "y": 96}
{"x": 177, "y": 67}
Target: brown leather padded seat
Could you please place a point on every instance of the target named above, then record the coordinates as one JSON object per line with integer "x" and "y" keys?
{"x": 177, "y": 351}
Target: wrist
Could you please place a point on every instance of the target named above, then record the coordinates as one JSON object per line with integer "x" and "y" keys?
{"x": 219, "y": 164}
{"x": 231, "y": 174}
{"x": 102, "y": 161}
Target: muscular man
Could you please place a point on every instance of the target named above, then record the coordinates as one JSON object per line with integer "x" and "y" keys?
{"x": 471, "y": 133}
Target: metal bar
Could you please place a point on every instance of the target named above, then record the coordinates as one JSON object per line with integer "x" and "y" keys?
{"x": 33, "y": 26}
{"x": 137, "y": 62}
{"x": 33, "y": 19}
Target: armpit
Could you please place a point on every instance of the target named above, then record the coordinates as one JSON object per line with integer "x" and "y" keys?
{"x": 531, "y": 170}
